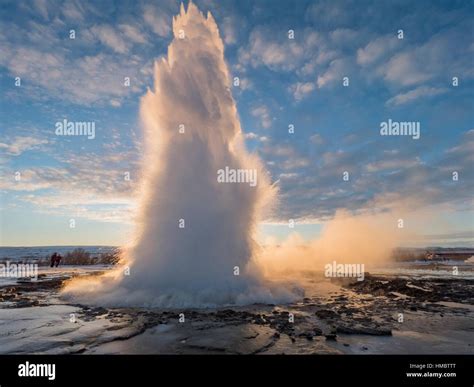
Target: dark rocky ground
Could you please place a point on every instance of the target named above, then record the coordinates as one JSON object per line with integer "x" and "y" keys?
{"x": 381, "y": 314}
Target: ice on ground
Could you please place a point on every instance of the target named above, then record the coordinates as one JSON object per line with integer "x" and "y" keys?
{"x": 56, "y": 329}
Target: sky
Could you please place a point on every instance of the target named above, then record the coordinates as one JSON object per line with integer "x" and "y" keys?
{"x": 331, "y": 70}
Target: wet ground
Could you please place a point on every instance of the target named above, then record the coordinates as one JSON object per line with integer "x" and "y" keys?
{"x": 382, "y": 314}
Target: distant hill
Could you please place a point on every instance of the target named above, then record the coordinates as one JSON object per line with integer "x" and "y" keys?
{"x": 432, "y": 253}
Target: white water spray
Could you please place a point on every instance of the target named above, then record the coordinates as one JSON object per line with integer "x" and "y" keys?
{"x": 195, "y": 235}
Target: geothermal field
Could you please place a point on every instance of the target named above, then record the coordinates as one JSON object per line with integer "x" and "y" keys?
{"x": 405, "y": 309}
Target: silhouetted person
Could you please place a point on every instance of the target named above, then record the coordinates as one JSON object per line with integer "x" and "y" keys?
{"x": 58, "y": 259}
{"x": 53, "y": 259}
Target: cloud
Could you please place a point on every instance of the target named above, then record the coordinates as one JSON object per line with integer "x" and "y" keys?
{"x": 263, "y": 113}
{"x": 458, "y": 157}
{"x": 73, "y": 10}
{"x": 102, "y": 183}
{"x": 21, "y": 144}
{"x": 245, "y": 84}
{"x": 251, "y": 136}
{"x": 42, "y": 7}
{"x": 285, "y": 156}
{"x": 279, "y": 150}
{"x": 98, "y": 195}
{"x": 317, "y": 139}
{"x": 288, "y": 175}
{"x": 81, "y": 70}
{"x": 405, "y": 69}
{"x": 377, "y": 49}
{"x": 133, "y": 33}
{"x": 276, "y": 51}
{"x": 115, "y": 103}
{"x": 254, "y": 136}
{"x": 109, "y": 37}
{"x": 229, "y": 30}
{"x": 302, "y": 89}
{"x": 295, "y": 163}
{"x": 332, "y": 14}
{"x": 334, "y": 47}
{"x": 86, "y": 206}
{"x": 441, "y": 54}
{"x": 157, "y": 19}
{"x": 412, "y": 95}
{"x": 338, "y": 69}
{"x": 343, "y": 37}
{"x": 393, "y": 164}
{"x": 380, "y": 177}
{"x": 84, "y": 80}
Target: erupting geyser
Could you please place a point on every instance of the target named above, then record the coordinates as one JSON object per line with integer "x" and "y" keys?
{"x": 194, "y": 242}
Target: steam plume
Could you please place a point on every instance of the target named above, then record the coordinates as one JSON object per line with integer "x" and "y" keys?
{"x": 192, "y": 130}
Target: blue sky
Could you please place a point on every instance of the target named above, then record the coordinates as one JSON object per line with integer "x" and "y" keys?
{"x": 283, "y": 82}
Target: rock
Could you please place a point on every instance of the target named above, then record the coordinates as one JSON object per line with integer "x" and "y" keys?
{"x": 307, "y": 335}
{"x": 363, "y": 330}
{"x": 326, "y": 314}
{"x": 23, "y": 304}
{"x": 317, "y": 331}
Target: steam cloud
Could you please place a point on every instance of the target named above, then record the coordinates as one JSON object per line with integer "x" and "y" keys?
{"x": 367, "y": 239}
{"x": 192, "y": 130}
